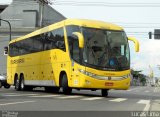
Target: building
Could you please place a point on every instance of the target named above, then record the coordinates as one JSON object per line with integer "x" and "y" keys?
{"x": 24, "y": 16}
{"x": 2, "y": 7}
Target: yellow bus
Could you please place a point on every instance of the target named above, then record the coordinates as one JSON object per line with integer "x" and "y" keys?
{"x": 71, "y": 54}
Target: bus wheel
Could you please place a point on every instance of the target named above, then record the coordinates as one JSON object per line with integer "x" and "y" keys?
{"x": 17, "y": 85}
{"x": 104, "y": 92}
{"x": 66, "y": 89}
{"x": 7, "y": 86}
{"x": 22, "y": 85}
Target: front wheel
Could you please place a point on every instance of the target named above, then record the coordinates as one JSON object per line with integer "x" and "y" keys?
{"x": 104, "y": 92}
{"x": 66, "y": 89}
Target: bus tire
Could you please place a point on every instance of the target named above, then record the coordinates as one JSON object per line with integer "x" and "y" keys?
{"x": 17, "y": 84}
{"x": 66, "y": 89}
{"x": 104, "y": 92}
{"x": 22, "y": 85}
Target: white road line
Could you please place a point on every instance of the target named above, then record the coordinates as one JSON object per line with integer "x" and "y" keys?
{"x": 69, "y": 97}
{"x": 156, "y": 89}
{"x": 16, "y": 103}
{"x": 43, "y": 96}
{"x": 147, "y": 91}
{"x": 9, "y": 93}
{"x": 14, "y": 95}
{"x": 136, "y": 89}
{"x": 129, "y": 90}
{"x": 93, "y": 98}
{"x": 147, "y": 103}
{"x": 118, "y": 100}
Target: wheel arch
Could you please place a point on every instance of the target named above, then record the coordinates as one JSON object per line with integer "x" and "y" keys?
{"x": 21, "y": 74}
{"x": 15, "y": 77}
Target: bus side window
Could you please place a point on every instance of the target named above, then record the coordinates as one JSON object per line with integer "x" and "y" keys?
{"x": 11, "y": 50}
{"x": 59, "y": 42}
{"x": 14, "y": 49}
{"x": 47, "y": 41}
{"x": 54, "y": 40}
{"x": 37, "y": 43}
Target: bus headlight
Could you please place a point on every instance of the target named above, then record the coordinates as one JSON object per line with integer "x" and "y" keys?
{"x": 116, "y": 78}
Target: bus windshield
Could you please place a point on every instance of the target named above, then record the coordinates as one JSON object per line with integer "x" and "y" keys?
{"x": 106, "y": 49}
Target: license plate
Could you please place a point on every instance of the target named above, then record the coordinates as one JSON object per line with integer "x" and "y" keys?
{"x": 109, "y": 84}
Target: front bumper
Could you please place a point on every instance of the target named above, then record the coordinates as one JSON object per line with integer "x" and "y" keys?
{"x": 89, "y": 82}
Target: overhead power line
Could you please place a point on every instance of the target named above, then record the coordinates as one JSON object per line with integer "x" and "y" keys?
{"x": 108, "y": 4}
{"x": 138, "y": 23}
{"x": 141, "y": 27}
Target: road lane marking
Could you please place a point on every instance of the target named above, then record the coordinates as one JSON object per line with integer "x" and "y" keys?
{"x": 69, "y": 97}
{"x": 93, "y": 98}
{"x": 16, "y": 103}
{"x": 118, "y": 100}
{"x": 9, "y": 93}
{"x": 17, "y": 95}
{"x": 147, "y": 91}
{"x": 44, "y": 96}
{"x": 146, "y": 102}
{"x": 129, "y": 90}
{"x": 156, "y": 89}
{"x": 136, "y": 89}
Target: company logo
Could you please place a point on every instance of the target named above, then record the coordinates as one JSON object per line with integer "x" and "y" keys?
{"x": 17, "y": 61}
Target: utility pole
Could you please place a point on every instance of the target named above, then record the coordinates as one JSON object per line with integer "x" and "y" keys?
{"x": 9, "y": 27}
{"x": 42, "y": 3}
{"x": 151, "y": 75}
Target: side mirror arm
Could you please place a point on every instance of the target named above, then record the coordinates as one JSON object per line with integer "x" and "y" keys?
{"x": 80, "y": 39}
{"x": 136, "y": 43}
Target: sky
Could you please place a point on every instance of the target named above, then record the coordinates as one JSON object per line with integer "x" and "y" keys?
{"x": 137, "y": 17}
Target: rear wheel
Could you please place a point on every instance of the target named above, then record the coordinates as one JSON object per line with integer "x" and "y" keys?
{"x": 104, "y": 92}
{"x": 66, "y": 89}
{"x": 22, "y": 85}
{"x": 17, "y": 84}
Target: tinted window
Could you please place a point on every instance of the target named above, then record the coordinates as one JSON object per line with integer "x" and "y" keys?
{"x": 47, "y": 41}
{"x": 54, "y": 40}
{"x": 73, "y": 42}
{"x": 27, "y": 46}
{"x": 13, "y": 49}
{"x": 37, "y": 43}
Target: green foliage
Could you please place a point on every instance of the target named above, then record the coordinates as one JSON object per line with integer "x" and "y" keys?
{"x": 139, "y": 76}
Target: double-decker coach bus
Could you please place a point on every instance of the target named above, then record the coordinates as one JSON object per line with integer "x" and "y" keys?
{"x": 71, "y": 54}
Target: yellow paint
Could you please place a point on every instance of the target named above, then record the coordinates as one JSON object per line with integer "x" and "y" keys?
{"x": 135, "y": 42}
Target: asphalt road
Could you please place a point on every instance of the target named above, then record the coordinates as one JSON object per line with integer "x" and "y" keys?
{"x": 135, "y": 99}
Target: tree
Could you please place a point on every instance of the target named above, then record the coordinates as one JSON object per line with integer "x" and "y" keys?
{"x": 138, "y": 77}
